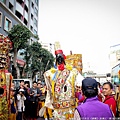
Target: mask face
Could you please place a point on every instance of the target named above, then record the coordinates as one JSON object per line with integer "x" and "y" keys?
{"x": 59, "y": 59}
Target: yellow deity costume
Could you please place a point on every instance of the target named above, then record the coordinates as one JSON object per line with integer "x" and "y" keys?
{"x": 5, "y": 81}
{"x": 61, "y": 91}
{"x": 3, "y": 108}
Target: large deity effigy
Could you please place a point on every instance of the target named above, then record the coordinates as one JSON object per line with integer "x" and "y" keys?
{"x": 60, "y": 82}
{"x": 5, "y": 47}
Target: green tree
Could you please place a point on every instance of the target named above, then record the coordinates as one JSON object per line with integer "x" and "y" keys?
{"x": 19, "y": 35}
{"x": 37, "y": 59}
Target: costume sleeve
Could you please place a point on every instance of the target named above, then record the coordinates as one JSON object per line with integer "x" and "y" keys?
{"x": 76, "y": 115}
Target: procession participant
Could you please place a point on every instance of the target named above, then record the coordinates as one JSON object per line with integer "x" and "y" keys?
{"x": 61, "y": 88}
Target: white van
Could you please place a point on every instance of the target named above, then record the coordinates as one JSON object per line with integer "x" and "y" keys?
{"x": 17, "y": 82}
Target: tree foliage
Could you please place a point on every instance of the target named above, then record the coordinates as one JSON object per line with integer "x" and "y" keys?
{"x": 19, "y": 35}
{"x": 37, "y": 59}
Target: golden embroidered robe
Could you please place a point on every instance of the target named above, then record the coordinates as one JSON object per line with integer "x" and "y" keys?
{"x": 61, "y": 92}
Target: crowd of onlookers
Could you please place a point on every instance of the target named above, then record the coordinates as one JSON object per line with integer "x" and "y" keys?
{"x": 26, "y": 102}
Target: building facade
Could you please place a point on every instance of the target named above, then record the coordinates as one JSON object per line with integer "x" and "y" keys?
{"x": 19, "y": 12}
{"x": 23, "y": 12}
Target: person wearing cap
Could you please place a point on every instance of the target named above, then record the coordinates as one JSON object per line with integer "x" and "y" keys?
{"x": 92, "y": 108}
{"x": 20, "y": 104}
{"x": 60, "y": 82}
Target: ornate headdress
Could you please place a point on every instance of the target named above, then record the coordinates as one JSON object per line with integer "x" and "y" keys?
{"x": 58, "y": 49}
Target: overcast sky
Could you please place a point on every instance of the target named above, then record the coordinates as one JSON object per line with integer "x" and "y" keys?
{"x": 88, "y": 27}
